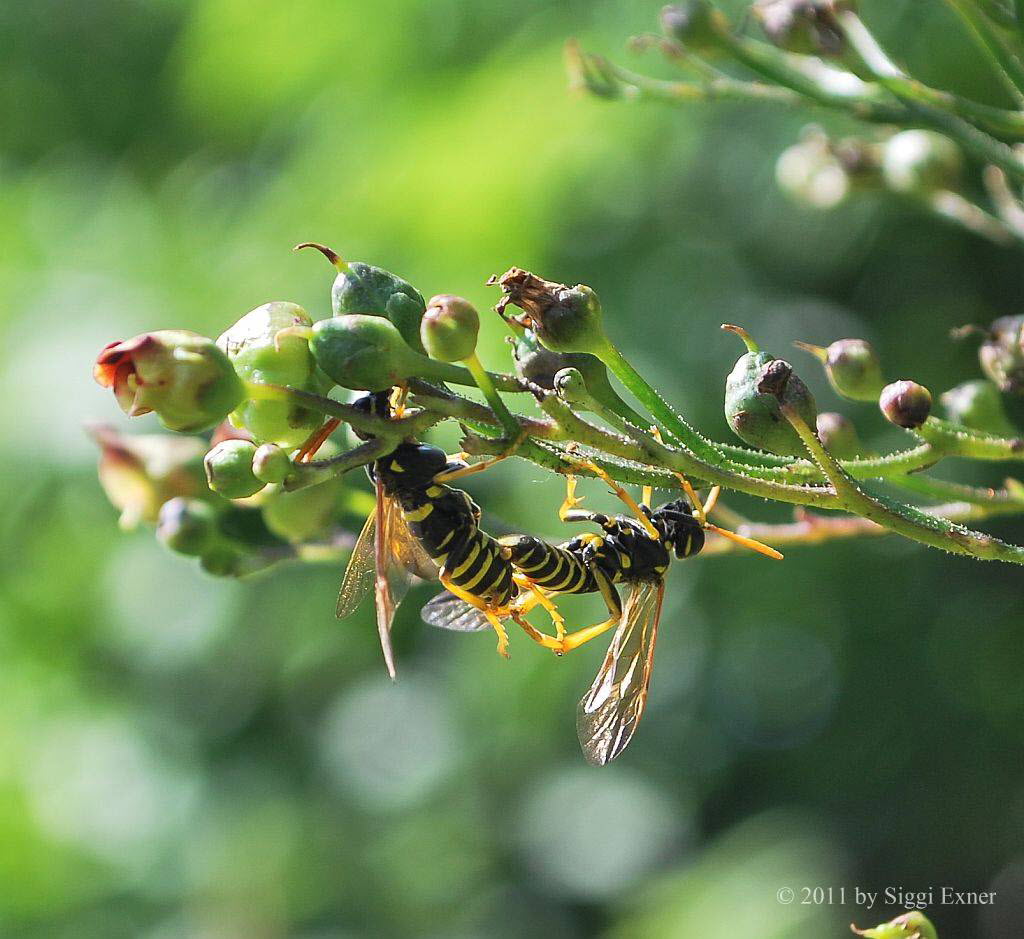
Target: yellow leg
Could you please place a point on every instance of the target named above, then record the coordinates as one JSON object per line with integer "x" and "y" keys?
{"x": 712, "y": 500}
{"x": 625, "y": 498}
{"x": 582, "y": 636}
{"x": 398, "y": 400}
{"x": 472, "y": 468}
{"x": 571, "y": 500}
{"x": 538, "y": 597}
{"x": 473, "y": 601}
{"x": 647, "y": 495}
{"x": 535, "y": 634}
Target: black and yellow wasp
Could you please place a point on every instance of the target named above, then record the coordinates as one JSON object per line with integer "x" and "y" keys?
{"x": 423, "y": 527}
{"x": 635, "y": 551}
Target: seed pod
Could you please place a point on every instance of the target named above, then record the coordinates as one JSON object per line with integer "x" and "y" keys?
{"x": 978, "y": 405}
{"x": 754, "y": 414}
{"x": 449, "y": 328}
{"x": 367, "y": 353}
{"x": 271, "y": 464}
{"x": 839, "y": 436}
{"x": 229, "y": 469}
{"x": 140, "y": 473}
{"x": 852, "y": 367}
{"x": 260, "y": 354}
{"x": 565, "y": 319}
{"x": 570, "y": 386}
{"x": 694, "y": 23}
{"x": 301, "y": 515}
{"x": 182, "y": 376}
{"x": 364, "y": 288}
{"x": 920, "y": 162}
{"x": 187, "y": 526}
{"x": 809, "y": 27}
{"x": 905, "y": 403}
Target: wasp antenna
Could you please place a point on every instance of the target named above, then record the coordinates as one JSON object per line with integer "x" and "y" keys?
{"x": 746, "y": 542}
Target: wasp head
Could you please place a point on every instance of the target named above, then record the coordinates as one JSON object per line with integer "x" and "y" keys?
{"x": 679, "y": 528}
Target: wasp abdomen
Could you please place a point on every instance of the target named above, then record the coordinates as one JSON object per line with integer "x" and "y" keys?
{"x": 552, "y": 567}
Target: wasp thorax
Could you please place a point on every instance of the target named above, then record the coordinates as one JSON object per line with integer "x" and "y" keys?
{"x": 905, "y": 403}
{"x": 679, "y": 528}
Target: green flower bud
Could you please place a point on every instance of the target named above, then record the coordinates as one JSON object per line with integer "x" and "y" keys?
{"x": 182, "y": 376}
{"x": 809, "y": 27}
{"x": 694, "y": 23}
{"x": 223, "y": 560}
{"x": 905, "y": 403}
{"x": 852, "y": 367}
{"x": 229, "y": 469}
{"x": 367, "y": 353}
{"x": 271, "y": 464}
{"x": 914, "y": 925}
{"x": 570, "y": 386}
{"x": 363, "y": 288}
{"x": 839, "y": 436}
{"x": 259, "y": 354}
{"x": 187, "y": 526}
{"x": 753, "y": 414}
{"x": 977, "y": 404}
{"x": 920, "y": 162}
{"x": 1002, "y": 353}
{"x": 301, "y": 515}
{"x": 139, "y": 474}
{"x": 449, "y": 328}
{"x": 565, "y": 319}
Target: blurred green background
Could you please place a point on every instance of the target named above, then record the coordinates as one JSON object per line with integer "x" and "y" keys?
{"x": 187, "y": 757}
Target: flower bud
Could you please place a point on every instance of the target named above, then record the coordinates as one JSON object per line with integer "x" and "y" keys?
{"x": 259, "y": 354}
{"x": 977, "y": 404}
{"x": 364, "y": 288}
{"x": 811, "y": 173}
{"x": 449, "y": 328}
{"x": 139, "y": 474}
{"x": 809, "y": 27}
{"x": 570, "y": 386}
{"x": 839, "y": 436}
{"x": 565, "y": 319}
{"x": 187, "y": 526}
{"x": 694, "y": 23}
{"x": 754, "y": 413}
{"x": 271, "y": 464}
{"x": 913, "y": 925}
{"x": 852, "y": 367}
{"x": 920, "y": 162}
{"x": 1002, "y": 353}
{"x": 906, "y": 403}
{"x": 367, "y": 353}
{"x": 229, "y": 469}
{"x": 303, "y": 514}
{"x": 182, "y": 376}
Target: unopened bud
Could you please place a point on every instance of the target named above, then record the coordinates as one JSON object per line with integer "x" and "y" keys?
{"x": 693, "y": 23}
{"x": 913, "y": 925}
{"x": 977, "y": 404}
{"x": 301, "y": 515}
{"x": 920, "y": 162}
{"x": 905, "y": 403}
{"x": 187, "y": 526}
{"x": 852, "y": 367}
{"x": 449, "y": 328}
{"x": 271, "y": 464}
{"x": 229, "y": 469}
{"x": 811, "y": 173}
{"x": 1002, "y": 353}
{"x": 809, "y": 27}
{"x": 839, "y": 436}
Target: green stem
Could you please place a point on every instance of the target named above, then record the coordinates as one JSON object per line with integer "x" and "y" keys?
{"x": 1003, "y": 60}
{"x": 320, "y": 471}
{"x": 486, "y": 385}
{"x": 956, "y": 440}
{"x": 903, "y": 519}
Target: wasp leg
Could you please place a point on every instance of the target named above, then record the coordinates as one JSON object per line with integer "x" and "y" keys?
{"x": 623, "y": 496}
{"x": 316, "y": 440}
{"x": 537, "y": 597}
{"x": 582, "y": 636}
{"x": 542, "y": 639}
{"x": 482, "y": 606}
{"x": 398, "y": 399}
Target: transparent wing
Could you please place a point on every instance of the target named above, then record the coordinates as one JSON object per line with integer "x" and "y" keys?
{"x": 447, "y": 611}
{"x": 359, "y": 574}
{"x": 608, "y": 714}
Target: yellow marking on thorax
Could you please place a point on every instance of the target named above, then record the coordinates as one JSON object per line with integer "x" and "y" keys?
{"x": 446, "y": 539}
{"x": 397, "y": 467}
{"x": 417, "y": 515}
{"x": 434, "y": 491}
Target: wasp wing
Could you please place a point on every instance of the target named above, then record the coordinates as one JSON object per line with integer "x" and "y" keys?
{"x": 359, "y": 574}
{"x": 447, "y": 611}
{"x": 608, "y": 714}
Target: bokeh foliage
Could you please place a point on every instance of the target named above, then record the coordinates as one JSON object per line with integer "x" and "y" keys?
{"x": 185, "y": 757}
